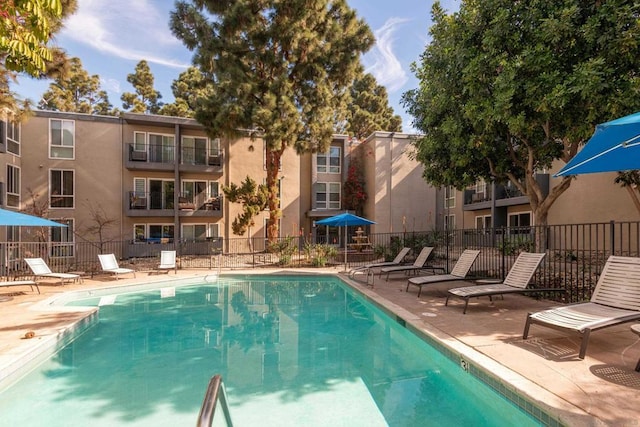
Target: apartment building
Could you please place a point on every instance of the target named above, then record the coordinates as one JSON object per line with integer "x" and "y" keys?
{"x": 145, "y": 178}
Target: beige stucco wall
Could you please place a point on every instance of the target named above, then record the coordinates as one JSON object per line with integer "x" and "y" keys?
{"x": 399, "y": 198}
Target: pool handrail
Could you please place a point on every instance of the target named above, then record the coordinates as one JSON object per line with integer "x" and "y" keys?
{"x": 215, "y": 392}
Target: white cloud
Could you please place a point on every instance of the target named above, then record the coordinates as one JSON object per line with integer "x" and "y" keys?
{"x": 386, "y": 68}
{"x": 110, "y": 85}
{"x": 125, "y": 29}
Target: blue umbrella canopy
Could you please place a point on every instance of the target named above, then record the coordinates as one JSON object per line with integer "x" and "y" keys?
{"x": 614, "y": 147}
{"x": 344, "y": 219}
{"x": 8, "y": 217}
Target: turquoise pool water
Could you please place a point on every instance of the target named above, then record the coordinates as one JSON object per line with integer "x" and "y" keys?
{"x": 293, "y": 351}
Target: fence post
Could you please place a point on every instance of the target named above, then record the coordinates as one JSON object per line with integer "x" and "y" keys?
{"x": 612, "y": 237}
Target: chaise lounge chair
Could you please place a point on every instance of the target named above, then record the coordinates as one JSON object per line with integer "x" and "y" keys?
{"x": 168, "y": 261}
{"x": 30, "y": 283}
{"x": 516, "y": 282}
{"x": 418, "y": 265}
{"x": 458, "y": 272}
{"x": 40, "y": 269}
{"x": 615, "y": 300}
{"x": 369, "y": 267}
{"x": 109, "y": 264}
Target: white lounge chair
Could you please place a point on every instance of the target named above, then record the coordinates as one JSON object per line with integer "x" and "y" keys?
{"x": 109, "y": 264}
{"x": 458, "y": 272}
{"x": 40, "y": 269}
{"x": 516, "y": 282}
{"x": 168, "y": 261}
{"x": 615, "y": 300}
{"x": 11, "y": 283}
{"x": 418, "y": 265}
{"x": 367, "y": 268}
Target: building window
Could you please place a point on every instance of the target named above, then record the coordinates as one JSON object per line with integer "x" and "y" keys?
{"x": 450, "y": 222}
{"x": 161, "y": 148}
{"x": 13, "y": 186}
{"x": 139, "y": 233}
{"x": 483, "y": 221}
{"x": 13, "y": 137}
{"x": 214, "y": 231}
{"x": 194, "y": 151}
{"x": 62, "y": 243}
{"x": 161, "y": 233}
{"x": 328, "y": 195}
{"x": 519, "y": 223}
{"x": 194, "y": 232}
{"x": 61, "y": 189}
{"x": 62, "y": 139}
{"x": 330, "y": 161}
{"x": 449, "y": 197}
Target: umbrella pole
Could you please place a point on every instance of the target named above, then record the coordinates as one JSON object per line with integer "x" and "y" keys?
{"x": 345, "y": 248}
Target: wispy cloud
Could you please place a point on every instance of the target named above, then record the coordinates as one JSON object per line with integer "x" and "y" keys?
{"x": 125, "y": 29}
{"x": 386, "y": 68}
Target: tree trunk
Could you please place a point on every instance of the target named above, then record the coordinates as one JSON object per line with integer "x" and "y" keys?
{"x": 273, "y": 159}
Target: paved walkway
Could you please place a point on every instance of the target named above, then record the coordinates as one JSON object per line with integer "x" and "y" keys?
{"x": 601, "y": 390}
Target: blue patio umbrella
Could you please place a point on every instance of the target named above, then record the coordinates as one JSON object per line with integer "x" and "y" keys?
{"x": 344, "y": 220}
{"x": 614, "y": 147}
{"x": 13, "y": 218}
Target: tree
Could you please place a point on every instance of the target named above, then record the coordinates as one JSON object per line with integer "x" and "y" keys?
{"x": 186, "y": 89}
{"x": 254, "y": 200}
{"x": 282, "y": 67}
{"x": 145, "y": 99}
{"x": 26, "y": 28}
{"x": 77, "y": 92}
{"x": 354, "y": 191}
{"x": 369, "y": 109}
{"x": 507, "y": 88}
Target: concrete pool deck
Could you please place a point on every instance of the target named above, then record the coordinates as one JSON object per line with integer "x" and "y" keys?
{"x": 603, "y": 389}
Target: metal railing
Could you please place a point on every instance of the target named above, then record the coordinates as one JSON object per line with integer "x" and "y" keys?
{"x": 215, "y": 392}
{"x": 576, "y": 253}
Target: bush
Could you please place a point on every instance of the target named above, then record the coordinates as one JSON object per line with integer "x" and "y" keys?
{"x": 319, "y": 254}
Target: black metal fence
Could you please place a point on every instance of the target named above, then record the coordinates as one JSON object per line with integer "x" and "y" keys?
{"x": 576, "y": 253}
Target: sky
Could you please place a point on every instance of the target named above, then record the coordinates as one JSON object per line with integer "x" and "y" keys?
{"x": 111, "y": 37}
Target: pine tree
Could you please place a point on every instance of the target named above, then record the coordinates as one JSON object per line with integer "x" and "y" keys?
{"x": 76, "y": 91}
{"x": 146, "y": 98}
{"x": 186, "y": 89}
{"x": 282, "y": 67}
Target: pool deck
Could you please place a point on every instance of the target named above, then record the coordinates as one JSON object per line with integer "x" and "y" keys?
{"x": 601, "y": 390}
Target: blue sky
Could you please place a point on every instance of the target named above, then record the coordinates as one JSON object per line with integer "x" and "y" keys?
{"x": 110, "y": 38}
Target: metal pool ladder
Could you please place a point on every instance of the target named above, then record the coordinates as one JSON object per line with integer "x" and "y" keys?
{"x": 215, "y": 392}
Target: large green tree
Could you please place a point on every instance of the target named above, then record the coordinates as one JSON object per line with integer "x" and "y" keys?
{"x": 369, "y": 109}
{"x": 284, "y": 67}
{"x": 26, "y": 30}
{"x": 187, "y": 89}
{"x": 77, "y": 91}
{"x": 146, "y": 98}
{"x": 508, "y": 87}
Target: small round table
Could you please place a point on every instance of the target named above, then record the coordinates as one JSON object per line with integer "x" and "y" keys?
{"x": 636, "y": 330}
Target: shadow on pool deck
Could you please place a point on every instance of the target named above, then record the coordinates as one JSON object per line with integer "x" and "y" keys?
{"x": 604, "y": 385}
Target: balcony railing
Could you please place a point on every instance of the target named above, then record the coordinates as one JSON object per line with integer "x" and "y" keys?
{"x": 200, "y": 157}
{"x": 151, "y": 153}
{"x": 151, "y": 200}
{"x": 200, "y": 201}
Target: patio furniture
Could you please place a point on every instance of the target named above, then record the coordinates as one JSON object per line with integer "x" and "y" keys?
{"x": 367, "y": 268}
{"x": 167, "y": 262}
{"x": 10, "y": 283}
{"x": 40, "y": 269}
{"x": 418, "y": 265}
{"x": 615, "y": 300}
{"x": 458, "y": 272}
{"x": 109, "y": 264}
{"x": 517, "y": 280}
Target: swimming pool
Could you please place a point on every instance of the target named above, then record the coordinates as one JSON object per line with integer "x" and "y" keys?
{"x": 292, "y": 350}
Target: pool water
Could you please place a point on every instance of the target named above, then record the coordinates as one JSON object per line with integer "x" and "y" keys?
{"x": 292, "y": 351}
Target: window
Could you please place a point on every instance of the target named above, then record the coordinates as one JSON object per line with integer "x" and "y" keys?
{"x": 161, "y": 148}
{"x": 328, "y": 195}
{"x": 13, "y": 186}
{"x": 214, "y": 147}
{"x": 194, "y": 151}
{"x": 329, "y": 162}
{"x": 481, "y": 186}
{"x": 449, "y": 197}
{"x": 450, "y": 222}
{"x": 161, "y": 233}
{"x": 519, "y": 223}
{"x": 194, "y": 232}
{"x": 62, "y": 139}
{"x": 139, "y": 233}
{"x": 61, "y": 189}
{"x": 214, "y": 189}
{"x": 483, "y": 221}
{"x": 13, "y": 137}
{"x": 62, "y": 243}
{"x": 139, "y": 194}
{"x": 161, "y": 194}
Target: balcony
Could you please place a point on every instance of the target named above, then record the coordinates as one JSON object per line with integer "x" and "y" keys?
{"x": 162, "y": 204}
{"x": 505, "y": 195}
{"x": 150, "y": 157}
{"x": 201, "y": 160}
